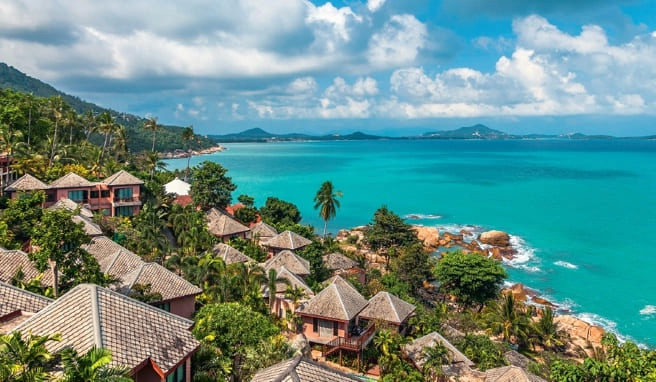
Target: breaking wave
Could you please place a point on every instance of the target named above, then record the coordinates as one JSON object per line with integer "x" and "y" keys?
{"x": 422, "y": 216}
{"x": 648, "y": 310}
{"x": 567, "y": 265}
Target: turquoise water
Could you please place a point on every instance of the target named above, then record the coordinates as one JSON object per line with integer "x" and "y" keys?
{"x": 582, "y": 213}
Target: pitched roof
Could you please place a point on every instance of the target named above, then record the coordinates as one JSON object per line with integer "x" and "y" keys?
{"x": 71, "y": 180}
{"x": 122, "y": 178}
{"x": 229, "y": 254}
{"x": 336, "y": 261}
{"x": 89, "y": 315}
{"x": 263, "y": 230}
{"x": 299, "y": 369}
{"x": 90, "y": 228}
{"x": 510, "y": 374}
{"x": 105, "y": 251}
{"x": 386, "y": 306}
{"x": 221, "y": 224}
{"x": 336, "y": 301}
{"x": 293, "y": 280}
{"x": 177, "y": 186}
{"x": 16, "y": 299}
{"x": 169, "y": 285}
{"x": 287, "y": 240}
{"x": 13, "y": 260}
{"x": 27, "y": 183}
{"x": 70, "y": 205}
{"x": 415, "y": 350}
{"x": 293, "y": 262}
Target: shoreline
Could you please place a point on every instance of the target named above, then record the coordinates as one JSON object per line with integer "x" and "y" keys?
{"x": 181, "y": 154}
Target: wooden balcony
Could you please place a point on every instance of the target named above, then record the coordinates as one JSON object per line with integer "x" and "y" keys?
{"x": 355, "y": 343}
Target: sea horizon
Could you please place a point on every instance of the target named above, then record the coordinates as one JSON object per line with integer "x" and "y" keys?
{"x": 580, "y": 213}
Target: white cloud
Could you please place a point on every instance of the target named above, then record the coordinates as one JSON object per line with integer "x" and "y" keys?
{"x": 398, "y": 43}
{"x": 375, "y": 5}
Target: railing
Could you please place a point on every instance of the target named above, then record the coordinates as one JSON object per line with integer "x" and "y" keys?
{"x": 126, "y": 199}
{"x": 350, "y": 343}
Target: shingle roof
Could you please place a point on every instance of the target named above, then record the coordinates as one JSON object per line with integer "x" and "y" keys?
{"x": 27, "y": 183}
{"x": 71, "y": 180}
{"x": 106, "y": 251}
{"x": 293, "y": 280}
{"x": 263, "y": 230}
{"x": 415, "y": 350}
{"x": 70, "y": 205}
{"x": 13, "y": 260}
{"x": 287, "y": 240}
{"x": 220, "y": 224}
{"x": 386, "y": 306}
{"x": 336, "y": 301}
{"x": 90, "y": 228}
{"x": 289, "y": 260}
{"x": 16, "y": 299}
{"x": 299, "y": 369}
{"x": 164, "y": 282}
{"x": 229, "y": 254}
{"x": 122, "y": 178}
{"x": 89, "y": 315}
{"x": 337, "y": 261}
{"x": 510, "y": 374}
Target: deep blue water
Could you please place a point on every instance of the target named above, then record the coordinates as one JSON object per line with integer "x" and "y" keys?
{"x": 582, "y": 212}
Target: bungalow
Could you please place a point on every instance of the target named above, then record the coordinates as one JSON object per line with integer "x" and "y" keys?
{"x": 13, "y": 262}
{"x": 293, "y": 262}
{"x": 262, "y": 232}
{"x": 84, "y": 216}
{"x": 17, "y": 305}
{"x": 180, "y": 190}
{"x": 118, "y": 195}
{"x": 171, "y": 292}
{"x": 343, "y": 265}
{"x": 154, "y": 345}
{"x": 511, "y": 374}
{"x": 459, "y": 363}
{"x": 224, "y": 227}
{"x": 230, "y": 255}
{"x": 285, "y": 279}
{"x": 386, "y": 307}
{"x": 286, "y": 240}
{"x": 299, "y": 369}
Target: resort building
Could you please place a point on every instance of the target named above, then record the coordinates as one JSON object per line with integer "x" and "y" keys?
{"x": 154, "y": 345}
{"x": 17, "y": 305}
{"x": 342, "y": 265}
{"x": 261, "y": 232}
{"x": 14, "y": 262}
{"x": 230, "y": 255}
{"x": 118, "y": 195}
{"x": 459, "y": 363}
{"x": 224, "y": 226}
{"x": 286, "y": 240}
{"x": 286, "y": 280}
{"x": 299, "y": 369}
{"x": 386, "y": 307}
{"x": 288, "y": 259}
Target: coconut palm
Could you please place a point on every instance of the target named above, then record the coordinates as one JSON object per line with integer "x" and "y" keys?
{"x": 107, "y": 126}
{"x": 188, "y": 136}
{"x": 92, "y": 366}
{"x": 508, "y": 319}
{"x": 548, "y": 333}
{"x": 25, "y": 359}
{"x": 327, "y": 201}
{"x": 434, "y": 357}
{"x": 152, "y": 125}
{"x": 56, "y": 105}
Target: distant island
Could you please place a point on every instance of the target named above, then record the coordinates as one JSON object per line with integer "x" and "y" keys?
{"x": 478, "y": 131}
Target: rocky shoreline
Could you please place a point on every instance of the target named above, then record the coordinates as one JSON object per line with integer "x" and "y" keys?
{"x": 178, "y": 154}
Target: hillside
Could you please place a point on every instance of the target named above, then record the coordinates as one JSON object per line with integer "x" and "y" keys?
{"x": 139, "y": 139}
{"x": 259, "y": 135}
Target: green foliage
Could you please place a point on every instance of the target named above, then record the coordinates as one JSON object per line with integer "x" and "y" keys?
{"x": 249, "y": 248}
{"x": 92, "y": 366}
{"x": 246, "y": 215}
{"x": 20, "y": 217}
{"x": 144, "y": 293}
{"x": 314, "y": 254}
{"x": 210, "y": 187}
{"x": 25, "y": 359}
{"x": 327, "y": 201}
{"x": 548, "y": 334}
{"x": 482, "y": 351}
{"x": 279, "y": 212}
{"x": 412, "y": 265}
{"x": 388, "y": 232}
{"x": 428, "y": 320}
{"x": 471, "y": 278}
{"x": 510, "y": 319}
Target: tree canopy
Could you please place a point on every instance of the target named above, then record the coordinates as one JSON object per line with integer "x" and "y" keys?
{"x": 279, "y": 212}
{"x": 388, "y": 232}
{"x": 210, "y": 187}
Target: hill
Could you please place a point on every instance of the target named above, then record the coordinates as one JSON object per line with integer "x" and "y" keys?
{"x": 139, "y": 139}
{"x": 259, "y": 135}
{"x": 468, "y": 132}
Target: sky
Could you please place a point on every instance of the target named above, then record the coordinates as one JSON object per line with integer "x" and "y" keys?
{"x": 396, "y": 67}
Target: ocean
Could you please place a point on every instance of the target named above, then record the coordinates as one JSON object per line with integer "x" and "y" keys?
{"x": 581, "y": 213}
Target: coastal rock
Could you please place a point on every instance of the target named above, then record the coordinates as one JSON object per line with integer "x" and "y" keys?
{"x": 500, "y": 253}
{"x": 583, "y": 336}
{"x": 495, "y": 238}
{"x": 541, "y": 301}
{"x": 430, "y": 236}
{"x": 519, "y": 292}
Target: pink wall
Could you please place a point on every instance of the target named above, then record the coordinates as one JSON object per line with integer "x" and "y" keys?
{"x": 147, "y": 374}
{"x": 184, "y": 307}
{"x": 310, "y": 334}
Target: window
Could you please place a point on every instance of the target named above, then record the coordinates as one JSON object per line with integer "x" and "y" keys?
{"x": 335, "y": 328}
{"x": 178, "y": 375}
{"x": 124, "y": 211}
{"x": 77, "y": 196}
{"x": 123, "y": 193}
{"x": 94, "y": 194}
{"x": 164, "y": 306}
{"x": 104, "y": 194}
{"x": 315, "y": 325}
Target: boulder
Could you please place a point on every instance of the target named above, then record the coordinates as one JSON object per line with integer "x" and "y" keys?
{"x": 499, "y": 253}
{"x": 430, "y": 236}
{"x": 541, "y": 301}
{"x": 495, "y": 238}
{"x": 582, "y": 335}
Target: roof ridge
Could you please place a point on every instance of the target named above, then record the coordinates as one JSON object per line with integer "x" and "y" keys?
{"x": 341, "y": 302}
{"x": 391, "y": 302}
{"x": 134, "y": 281}
{"x": 95, "y": 315}
{"x": 111, "y": 264}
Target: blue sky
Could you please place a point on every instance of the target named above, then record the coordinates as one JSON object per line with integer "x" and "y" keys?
{"x": 384, "y": 66}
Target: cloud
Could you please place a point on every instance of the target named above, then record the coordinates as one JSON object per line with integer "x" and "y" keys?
{"x": 398, "y": 43}
{"x": 375, "y": 5}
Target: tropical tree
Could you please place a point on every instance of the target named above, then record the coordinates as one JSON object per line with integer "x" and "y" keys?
{"x": 434, "y": 357}
{"x": 151, "y": 125}
{"x": 210, "y": 187}
{"x": 25, "y": 359}
{"x": 187, "y": 137}
{"x": 56, "y": 105}
{"x": 327, "y": 201}
{"x": 548, "y": 333}
{"x": 92, "y": 366}
{"x": 107, "y": 126}
{"x": 388, "y": 232}
{"x": 508, "y": 319}
{"x": 481, "y": 350}
{"x": 279, "y": 212}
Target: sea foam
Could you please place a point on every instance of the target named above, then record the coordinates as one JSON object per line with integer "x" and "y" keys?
{"x": 648, "y": 310}
{"x": 565, "y": 264}
{"x": 422, "y": 216}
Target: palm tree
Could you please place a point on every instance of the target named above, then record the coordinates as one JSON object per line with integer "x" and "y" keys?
{"x": 153, "y": 163}
{"x": 56, "y": 105}
{"x": 25, "y": 359}
{"x": 434, "y": 357}
{"x": 92, "y": 366}
{"x": 509, "y": 320}
{"x": 273, "y": 278}
{"x": 327, "y": 200}
{"x": 120, "y": 145}
{"x": 107, "y": 126}
{"x": 188, "y": 136}
{"x": 152, "y": 125}
{"x": 548, "y": 333}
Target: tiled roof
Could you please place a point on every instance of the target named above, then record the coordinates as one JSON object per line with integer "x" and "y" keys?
{"x": 27, "y": 183}
{"x": 299, "y": 369}
{"x": 386, "y": 306}
{"x": 106, "y": 251}
{"x": 510, "y": 374}
{"x": 122, "y": 178}
{"x": 415, "y": 350}
{"x": 70, "y": 205}
{"x": 16, "y": 299}
{"x": 71, "y": 180}
{"x": 220, "y": 224}
{"x": 336, "y": 301}
{"x": 293, "y": 262}
{"x": 89, "y": 315}
{"x": 293, "y": 280}
{"x": 229, "y": 254}
{"x": 13, "y": 260}
{"x": 287, "y": 240}
{"x": 90, "y": 228}
{"x": 263, "y": 230}
{"x": 164, "y": 282}
{"x": 337, "y": 261}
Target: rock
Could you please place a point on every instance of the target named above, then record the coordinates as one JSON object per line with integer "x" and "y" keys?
{"x": 582, "y": 335}
{"x": 518, "y": 291}
{"x": 451, "y": 237}
{"x": 541, "y": 301}
{"x": 495, "y": 238}
{"x": 499, "y": 253}
{"x": 430, "y": 236}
